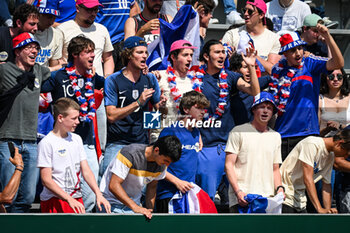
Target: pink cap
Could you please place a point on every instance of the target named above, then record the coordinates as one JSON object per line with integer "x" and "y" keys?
{"x": 259, "y": 4}
{"x": 181, "y": 44}
{"x": 89, "y": 3}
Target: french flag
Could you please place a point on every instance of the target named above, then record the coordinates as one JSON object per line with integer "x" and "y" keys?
{"x": 260, "y": 204}
{"x": 195, "y": 201}
{"x": 185, "y": 25}
{"x": 245, "y": 42}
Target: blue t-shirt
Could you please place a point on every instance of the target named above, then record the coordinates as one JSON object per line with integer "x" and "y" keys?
{"x": 67, "y": 11}
{"x": 186, "y": 167}
{"x": 300, "y": 116}
{"x": 120, "y": 92}
{"x": 113, "y": 16}
{"x": 241, "y": 103}
{"x": 60, "y": 86}
{"x": 215, "y": 136}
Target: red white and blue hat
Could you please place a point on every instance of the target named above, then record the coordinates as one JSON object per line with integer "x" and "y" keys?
{"x": 264, "y": 97}
{"x": 289, "y": 41}
{"x": 23, "y": 39}
{"x": 47, "y": 6}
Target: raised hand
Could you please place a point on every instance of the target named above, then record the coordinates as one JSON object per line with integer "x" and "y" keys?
{"x": 250, "y": 58}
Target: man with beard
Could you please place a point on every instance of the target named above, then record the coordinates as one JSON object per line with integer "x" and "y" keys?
{"x": 19, "y": 91}
{"x": 25, "y": 19}
{"x": 84, "y": 24}
{"x": 146, "y": 24}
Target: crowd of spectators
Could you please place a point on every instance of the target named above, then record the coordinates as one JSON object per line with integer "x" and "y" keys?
{"x": 265, "y": 112}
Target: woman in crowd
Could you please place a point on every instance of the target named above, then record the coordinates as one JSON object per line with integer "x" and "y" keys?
{"x": 334, "y": 114}
{"x": 334, "y": 111}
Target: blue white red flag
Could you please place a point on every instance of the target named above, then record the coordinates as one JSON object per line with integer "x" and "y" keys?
{"x": 195, "y": 201}
{"x": 185, "y": 25}
{"x": 260, "y": 204}
{"x": 245, "y": 42}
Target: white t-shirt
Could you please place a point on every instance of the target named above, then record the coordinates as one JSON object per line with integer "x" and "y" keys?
{"x": 265, "y": 43}
{"x": 256, "y": 152}
{"x": 63, "y": 156}
{"x": 131, "y": 165}
{"x": 312, "y": 151}
{"x": 96, "y": 32}
{"x": 184, "y": 85}
{"x": 170, "y": 7}
{"x": 51, "y": 43}
{"x": 287, "y": 19}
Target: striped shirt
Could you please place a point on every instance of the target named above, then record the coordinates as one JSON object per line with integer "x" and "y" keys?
{"x": 131, "y": 165}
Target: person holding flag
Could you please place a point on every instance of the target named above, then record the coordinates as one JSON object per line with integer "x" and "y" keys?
{"x": 265, "y": 41}
{"x": 254, "y": 168}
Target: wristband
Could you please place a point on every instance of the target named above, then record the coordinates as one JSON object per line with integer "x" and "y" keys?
{"x": 19, "y": 169}
{"x": 138, "y": 102}
{"x": 280, "y": 186}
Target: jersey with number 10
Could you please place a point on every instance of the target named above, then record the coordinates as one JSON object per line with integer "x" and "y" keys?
{"x": 113, "y": 16}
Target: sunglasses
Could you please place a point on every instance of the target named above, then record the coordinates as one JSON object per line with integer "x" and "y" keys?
{"x": 250, "y": 11}
{"x": 332, "y": 76}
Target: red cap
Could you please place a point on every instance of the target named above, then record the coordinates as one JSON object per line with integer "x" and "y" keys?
{"x": 289, "y": 41}
{"x": 89, "y": 3}
{"x": 23, "y": 39}
{"x": 181, "y": 44}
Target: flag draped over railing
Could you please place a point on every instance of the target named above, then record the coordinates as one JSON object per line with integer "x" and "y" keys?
{"x": 195, "y": 201}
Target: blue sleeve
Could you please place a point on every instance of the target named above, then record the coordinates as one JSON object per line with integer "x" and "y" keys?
{"x": 167, "y": 132}
{"x": 111, "y": 91}
{"x": 264, "y": 81}
{"x": 232, "y": 78}
{"x": 99, "y": 82}
{"x": 49, "y": 84}
{"x": 154, "y": 83}
{"x": 316, "y": 65}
